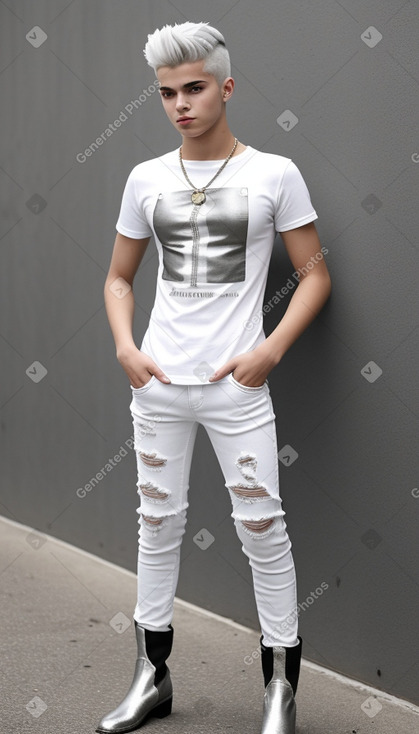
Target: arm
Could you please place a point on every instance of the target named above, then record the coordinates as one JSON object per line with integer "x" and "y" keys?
{"x": 119, "y": 301}
{"x": 311, "y": 294}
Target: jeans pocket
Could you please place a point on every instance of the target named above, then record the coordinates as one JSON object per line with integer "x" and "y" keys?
{"x": 144, "y": 388}
{"x": 246, "y": 388}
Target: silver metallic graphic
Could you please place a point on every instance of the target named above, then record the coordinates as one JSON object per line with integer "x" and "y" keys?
{"x": 203, "y": 243}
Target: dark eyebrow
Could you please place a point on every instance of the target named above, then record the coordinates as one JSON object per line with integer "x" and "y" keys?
{"x": 185, "y": 86}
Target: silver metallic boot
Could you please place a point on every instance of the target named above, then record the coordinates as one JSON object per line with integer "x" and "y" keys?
{"x": 281, "y": 669}
{"x": 151, "y": 691}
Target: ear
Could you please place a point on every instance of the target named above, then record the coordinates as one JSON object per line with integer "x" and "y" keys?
{"x": 227, "y": 88}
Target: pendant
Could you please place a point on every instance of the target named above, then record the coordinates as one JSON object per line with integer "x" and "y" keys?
{"x": 198, "y": 197}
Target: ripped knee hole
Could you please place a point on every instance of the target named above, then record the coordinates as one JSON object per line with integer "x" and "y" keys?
{"x": 152, "y": 459}
{"x": 258, "y": 526}
{"x": 243, "y": 491}
{"x": 150, "y": 490}
{"x": 152, "y": 520}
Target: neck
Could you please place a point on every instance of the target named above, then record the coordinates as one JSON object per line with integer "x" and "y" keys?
{"x": 211, "y": 146}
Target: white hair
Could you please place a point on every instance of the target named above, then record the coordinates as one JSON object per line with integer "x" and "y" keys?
{"x": 188, "y": 42}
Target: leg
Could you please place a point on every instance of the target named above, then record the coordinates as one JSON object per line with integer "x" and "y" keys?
{"x": 164, "y": 437}
{"x": 241, "y": 425}
{"x": 242, "y": 431}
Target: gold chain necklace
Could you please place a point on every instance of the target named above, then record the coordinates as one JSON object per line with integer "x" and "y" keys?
{"x": 198, "y": 195}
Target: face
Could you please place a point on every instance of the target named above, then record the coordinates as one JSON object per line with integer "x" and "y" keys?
{"x": 193, "y": 99}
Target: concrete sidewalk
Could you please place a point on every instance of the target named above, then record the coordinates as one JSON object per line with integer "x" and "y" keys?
{"x": 68, "y": 652}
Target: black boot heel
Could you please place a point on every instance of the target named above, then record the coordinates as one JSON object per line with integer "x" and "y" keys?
{"x": 163, "y": 709}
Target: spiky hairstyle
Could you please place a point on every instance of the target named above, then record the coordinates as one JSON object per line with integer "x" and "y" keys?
{"x": 188, "y": 42}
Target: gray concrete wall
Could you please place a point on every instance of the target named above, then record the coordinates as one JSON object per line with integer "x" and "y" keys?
{"x": 346, "y": 395}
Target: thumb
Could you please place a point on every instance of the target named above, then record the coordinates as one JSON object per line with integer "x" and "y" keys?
{"x": 159, "y": 374}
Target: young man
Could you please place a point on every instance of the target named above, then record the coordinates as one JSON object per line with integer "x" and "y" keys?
{"x": 213, "y": 207}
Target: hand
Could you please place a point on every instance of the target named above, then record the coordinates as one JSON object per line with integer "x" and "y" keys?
{"x": 250, "y": 369}
{"x": 139, "y": 367}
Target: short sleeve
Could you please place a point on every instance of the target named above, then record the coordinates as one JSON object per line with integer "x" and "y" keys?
{"x": 294, "y": 207}
{"x": 131, "y": 221}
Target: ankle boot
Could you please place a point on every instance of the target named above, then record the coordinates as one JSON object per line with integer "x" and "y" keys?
{"x": 150, "y": 693}
{"x": 281, "y": 669}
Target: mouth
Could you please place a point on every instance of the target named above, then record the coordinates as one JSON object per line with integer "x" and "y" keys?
{"x": 185, "y": 119}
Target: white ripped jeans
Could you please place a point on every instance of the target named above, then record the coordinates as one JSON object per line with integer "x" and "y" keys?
{"x": 240, "y": 423}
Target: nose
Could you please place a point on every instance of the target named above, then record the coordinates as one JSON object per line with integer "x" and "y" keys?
{"x": 181, "y": 103}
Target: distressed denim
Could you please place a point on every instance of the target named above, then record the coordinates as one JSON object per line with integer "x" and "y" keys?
{"x": 240, "y": 423}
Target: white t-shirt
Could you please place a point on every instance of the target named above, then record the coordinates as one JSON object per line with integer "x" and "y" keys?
{"x": 213, "y": 257}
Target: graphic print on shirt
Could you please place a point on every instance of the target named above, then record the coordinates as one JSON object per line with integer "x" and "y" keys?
{"x": 203, "y": 243}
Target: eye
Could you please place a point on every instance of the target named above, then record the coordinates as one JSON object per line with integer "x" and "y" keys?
{"x": 165, "y": 94}
{"x": 197, "y": 89}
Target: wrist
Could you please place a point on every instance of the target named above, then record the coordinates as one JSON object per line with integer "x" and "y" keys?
{"x": 269, "y": 354}
{"x": 124, "y": 350}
